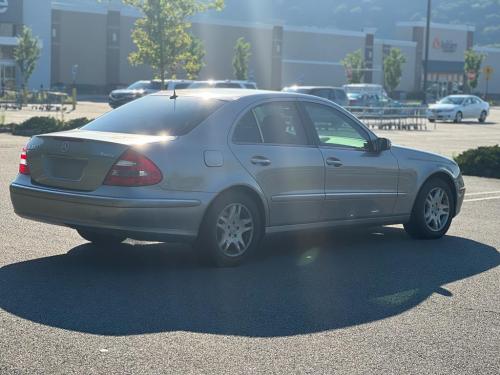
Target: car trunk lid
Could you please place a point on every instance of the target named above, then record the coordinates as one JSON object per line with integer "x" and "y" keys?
{"x": 79, "y": 159}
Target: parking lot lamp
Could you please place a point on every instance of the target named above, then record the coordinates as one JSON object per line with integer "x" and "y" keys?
{"x": 426, "y": 58}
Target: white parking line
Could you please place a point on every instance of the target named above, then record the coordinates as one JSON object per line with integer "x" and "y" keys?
{"x": 484, "y": 193}
{"x": 481, "y": 199}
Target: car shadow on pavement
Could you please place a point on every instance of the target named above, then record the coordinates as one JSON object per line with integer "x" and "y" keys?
{"x": 296, "y": 285}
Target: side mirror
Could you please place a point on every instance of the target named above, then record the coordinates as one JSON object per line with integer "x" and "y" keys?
{"x": 381, "y": 144}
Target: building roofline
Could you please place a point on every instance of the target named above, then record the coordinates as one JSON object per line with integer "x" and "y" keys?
{"x": 394, "y": 42}
{"x": 436, "y": 25}
{"x": 318, "y": 30}
{"x": 486, "y": 49}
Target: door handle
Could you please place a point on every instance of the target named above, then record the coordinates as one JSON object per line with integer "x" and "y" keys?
{"x": 260, "y": 160}
{"x": 333, "y": 161}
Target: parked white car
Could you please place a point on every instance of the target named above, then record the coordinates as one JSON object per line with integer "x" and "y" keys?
{"x": 458, "y": 107}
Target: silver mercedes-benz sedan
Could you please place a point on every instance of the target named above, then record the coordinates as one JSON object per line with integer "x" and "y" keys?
{"x": 224, "y": 167}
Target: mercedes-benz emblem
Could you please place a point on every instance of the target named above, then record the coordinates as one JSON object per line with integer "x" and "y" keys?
{"x": 65, "y": 147}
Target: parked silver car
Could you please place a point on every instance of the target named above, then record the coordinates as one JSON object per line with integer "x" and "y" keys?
{"x": 459, "y": 107}
{"x": 224, "y": 167}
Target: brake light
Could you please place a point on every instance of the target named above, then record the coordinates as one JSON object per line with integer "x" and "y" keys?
{"x": 133, "y": 169}
{"x": 23, "y": 163}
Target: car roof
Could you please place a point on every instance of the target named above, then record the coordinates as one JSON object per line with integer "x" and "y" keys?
{"x": 232, "y": 94}
{"x": 314, "y": 87}
{"x": 214, "y": 81}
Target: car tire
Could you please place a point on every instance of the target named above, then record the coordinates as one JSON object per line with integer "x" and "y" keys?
{"x": 458, "y": 117}
{"x": 231, "y": 230}
{"x": 432, "y": 212}
{"x": 100, "y": 238}
{"x": 482, "y": 117}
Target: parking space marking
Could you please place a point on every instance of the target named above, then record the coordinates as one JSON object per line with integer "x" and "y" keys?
{"x": 483, "y": 193}
{"x": 481, "y": 199}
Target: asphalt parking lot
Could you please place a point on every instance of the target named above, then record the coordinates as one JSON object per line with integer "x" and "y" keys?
{"x": 363, "y": 302}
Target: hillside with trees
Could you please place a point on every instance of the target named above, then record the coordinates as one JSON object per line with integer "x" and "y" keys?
{"x": 382, "y": 14}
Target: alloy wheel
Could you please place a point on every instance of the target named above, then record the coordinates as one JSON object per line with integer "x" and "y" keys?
{"x": 437, "y": 209}
{"x": 235, "y": 229}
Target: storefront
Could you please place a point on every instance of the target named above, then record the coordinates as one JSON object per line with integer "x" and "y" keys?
{"x": 447, "y": 46}
{"x": 11, "y": 19}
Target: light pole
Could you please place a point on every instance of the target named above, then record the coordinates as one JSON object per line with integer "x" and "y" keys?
{"x": 426, "y": 58}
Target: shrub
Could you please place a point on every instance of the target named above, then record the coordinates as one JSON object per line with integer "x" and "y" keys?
{"x": 76, "y": 123}
{"x": 482, "y": 162}
{"x": 38, "y": 125}
{"x": 41, "y": 125}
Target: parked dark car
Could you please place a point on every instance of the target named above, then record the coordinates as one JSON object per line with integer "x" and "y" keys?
{"x": 335, "y": 94}
{"x": 371, "y": 100}
{"x": 224, "y": 84}
{"x": 141, "y": 88}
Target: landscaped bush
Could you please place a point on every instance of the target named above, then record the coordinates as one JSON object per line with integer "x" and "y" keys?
{"x": 41, "y": 125}
{"x": 38, "y": 125}
{"x": 76, "y": 123}
{"x": 482, "y": 162}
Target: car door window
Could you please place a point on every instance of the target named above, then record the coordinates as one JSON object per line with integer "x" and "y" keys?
{"x": 334, "y": 128}
{"x": 181, "y": 86}
{"x": 322, "y": 93}
{"x": 247, "y": 130}
{"x": 339, "y": 95}
{"x": 227, "y": 85}
{"x": 279, "y": 123}
{"x": 155, "y": 85}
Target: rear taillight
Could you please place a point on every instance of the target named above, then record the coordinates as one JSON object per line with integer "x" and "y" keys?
{"x": 133, "y": 169}
{"x": 23, "y": 163}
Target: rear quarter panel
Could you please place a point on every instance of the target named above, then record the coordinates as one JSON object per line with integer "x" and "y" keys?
{"x": 185, "y": 167}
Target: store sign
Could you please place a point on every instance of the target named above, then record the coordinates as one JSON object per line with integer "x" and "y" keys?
{"x": 447, "y": 46}
{"x": 11, "y": 11}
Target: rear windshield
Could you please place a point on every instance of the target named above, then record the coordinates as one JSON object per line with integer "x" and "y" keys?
{"x": 157, "y": 115}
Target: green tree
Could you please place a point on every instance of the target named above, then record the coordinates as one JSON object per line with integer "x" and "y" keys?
{"x": 393, "y": 69}
{"x": 473, "y": 61}
{"x": 163, "y": 35}
{"x": 26, "y": 54}
{"x": 354, "y": 64}
{"x": 193, "y": 59}
{"x": 242, "y": 53}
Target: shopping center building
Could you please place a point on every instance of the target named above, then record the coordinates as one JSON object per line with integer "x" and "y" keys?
{"x": 88, "y": 43}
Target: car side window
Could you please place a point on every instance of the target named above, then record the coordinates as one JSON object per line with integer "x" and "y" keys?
{"x": 322, "y": 93}
{"x": 155, "y": 85}
{"x": 247, "y": 130}
{"x": 334, "y": 128}
{"x": 227, "y": 85}
{"x": 340, "y": 95}
{"x": 280, "y": 123}
{"x": 181, "y": 86}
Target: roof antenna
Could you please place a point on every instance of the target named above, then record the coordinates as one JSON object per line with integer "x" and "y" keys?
{"x": 175, "y": 96}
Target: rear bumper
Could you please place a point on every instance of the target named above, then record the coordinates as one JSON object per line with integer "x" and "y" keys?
{"x": 144, "y": 219}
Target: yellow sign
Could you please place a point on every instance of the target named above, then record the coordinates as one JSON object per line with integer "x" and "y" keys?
{"x": 488, "y": 72}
